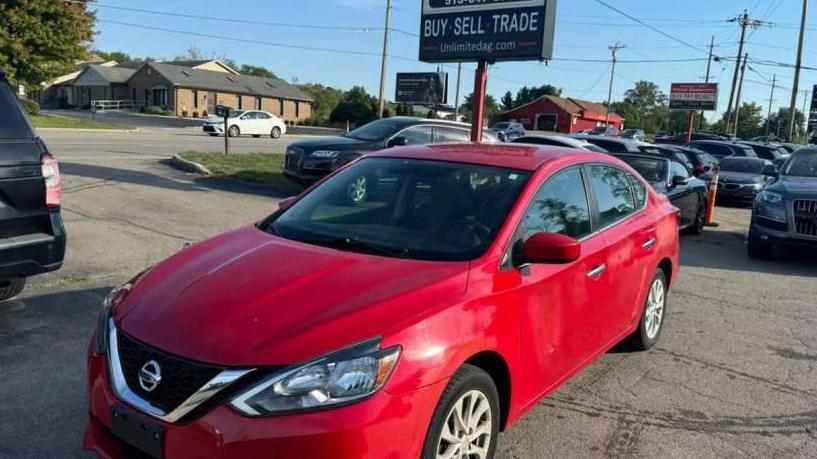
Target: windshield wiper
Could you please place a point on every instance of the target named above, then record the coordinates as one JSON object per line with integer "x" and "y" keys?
{"x": 345, "y": 243}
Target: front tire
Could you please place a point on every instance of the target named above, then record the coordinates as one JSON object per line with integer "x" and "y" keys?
{"x": 466, "y": 420}
{"x": 275, "y": 133}
{"x": 653, "y": 313}
{"x": 12, "y": 287}
{"x": 234, "y": 131}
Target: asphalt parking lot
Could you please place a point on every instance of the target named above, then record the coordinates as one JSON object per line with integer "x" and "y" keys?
{"x": 733, "y": 374}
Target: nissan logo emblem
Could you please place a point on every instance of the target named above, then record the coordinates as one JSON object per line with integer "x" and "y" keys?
{"x": 150, "y": 375}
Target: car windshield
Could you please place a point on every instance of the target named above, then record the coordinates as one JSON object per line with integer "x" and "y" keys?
{"x": 741, "y": 165}
{"x": 406, "y": 208}
{"x": 802, "y": 164}
{"x": 654, "y": 170}
{"x": 376, "y": 129}
{"x": 500, "y": 126}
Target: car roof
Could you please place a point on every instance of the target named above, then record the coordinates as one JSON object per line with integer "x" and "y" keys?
{"x": 746, "y": 158}
{"x": 641, "y": 155}
{"x": 556, "y": 138}
{"x": 510, "y": 155}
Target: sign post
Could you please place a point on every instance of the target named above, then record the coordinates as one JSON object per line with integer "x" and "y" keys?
{"x": 224, "y": 112}
{"x": 485, "y": 33}
{"x": 812, "y": 119}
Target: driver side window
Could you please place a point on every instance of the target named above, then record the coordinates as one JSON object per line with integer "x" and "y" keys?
{"x": 560, "y": 206}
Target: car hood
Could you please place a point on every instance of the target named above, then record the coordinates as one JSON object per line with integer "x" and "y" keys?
{"x": 740, "y": 177}
{"x": 248, "y": 298}
{"x": 335, "y": 143}
{"x": 795, "y": 187}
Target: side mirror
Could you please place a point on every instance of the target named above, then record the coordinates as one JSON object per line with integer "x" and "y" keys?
{"x": 551, "y": 248}
{"x": 286, "y": 203}
{"x": 770, "y": 170}
{"x": 398, "y": 141}
{"x": 678, "y": 180}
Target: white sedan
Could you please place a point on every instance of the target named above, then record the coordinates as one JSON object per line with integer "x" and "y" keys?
{"x": 247, "y": 122}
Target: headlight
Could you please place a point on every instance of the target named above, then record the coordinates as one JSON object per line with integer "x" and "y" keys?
{"x": 114, "y": 298}
{"x": 324, "y": 154}
{"x": 350, "y": 374}
{"x": 757, "y": 186}
{"x": 771, "y": 197}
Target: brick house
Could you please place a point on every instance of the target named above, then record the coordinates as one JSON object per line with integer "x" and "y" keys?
{"x": 562, "y": 114}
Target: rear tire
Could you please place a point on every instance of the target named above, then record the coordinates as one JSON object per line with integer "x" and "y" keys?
{"x": 275, "y": 133}
{"x": 655, "y": 308}
{"x": 472, "y": 393}
{"x": 758, "y": 249}
{"x": 11, "y": 288}
{"x": 697, "y": 226}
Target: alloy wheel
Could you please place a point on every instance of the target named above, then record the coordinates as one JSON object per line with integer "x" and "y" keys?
{"x": 655, "y": 308}
{"x": 466, "y": 432}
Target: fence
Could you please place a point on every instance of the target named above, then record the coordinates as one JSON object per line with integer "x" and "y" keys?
{"x": 102, "y": 106}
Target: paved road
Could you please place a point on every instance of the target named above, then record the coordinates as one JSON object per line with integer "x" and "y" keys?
{"x": 733, "y": 374}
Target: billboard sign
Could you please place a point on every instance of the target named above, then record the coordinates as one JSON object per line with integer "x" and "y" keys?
{"x": 693, "y": 96}
{"x": 812, "y": 119}
{"x": 422, "y": 88}
{"x": 494, "y": 30}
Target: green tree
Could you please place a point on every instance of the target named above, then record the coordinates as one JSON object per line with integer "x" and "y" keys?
{"x": 507, "y": 101}
{"x": 779, "y": 122}
{"x": 41, "y": 39}
{"x": 528, "y": 94}
{"x": 492, "y": 110}
{"x": 750, "y": 121}
{"x": 649, "y": 106}
{"x": 325, "y": 100}
{"x": 356, "y": 106}
{"x": 256, "y": 70}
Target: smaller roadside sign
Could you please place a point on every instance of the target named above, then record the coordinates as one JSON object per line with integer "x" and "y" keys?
{"x": 693, "y": 96}
{"x": 223, "y": 111}
{"x": 422, "y": 88}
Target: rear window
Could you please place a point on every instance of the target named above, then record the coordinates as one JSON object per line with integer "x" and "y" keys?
{"x": 746, "y": 166}
{"x": 13, "y": 124}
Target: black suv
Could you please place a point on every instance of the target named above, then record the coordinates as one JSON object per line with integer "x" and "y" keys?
{"x": 785, "y": 211}
{"x": 308, "y": 161}
{"x": 32, "y": 236}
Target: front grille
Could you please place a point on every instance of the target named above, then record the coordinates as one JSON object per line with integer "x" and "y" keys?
{"x": 181, "y": 378}
{"x": 805, "y": 216}
{"x": 729, "y": 186}
{"x": 208, "y": 128}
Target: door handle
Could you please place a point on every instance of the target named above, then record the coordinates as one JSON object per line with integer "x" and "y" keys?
{"x": 596, "y": 272}
{"x": 648, "y": 243}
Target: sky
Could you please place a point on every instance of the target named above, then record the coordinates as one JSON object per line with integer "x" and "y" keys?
{"x": 338, "y": 43}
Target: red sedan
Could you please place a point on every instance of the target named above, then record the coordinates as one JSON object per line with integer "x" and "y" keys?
{"x": 413, "y": 304}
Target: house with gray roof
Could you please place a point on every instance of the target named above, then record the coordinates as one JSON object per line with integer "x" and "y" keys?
{"x": 101, "y": 82}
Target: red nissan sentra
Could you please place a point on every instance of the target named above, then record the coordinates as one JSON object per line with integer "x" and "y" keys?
{"x": 412, "y": 305}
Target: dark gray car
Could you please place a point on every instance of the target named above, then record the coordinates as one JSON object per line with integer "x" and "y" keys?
{"x": 611, "y": 144}
{"x": 741, "y": 179}
{"x": 785, "y": 212}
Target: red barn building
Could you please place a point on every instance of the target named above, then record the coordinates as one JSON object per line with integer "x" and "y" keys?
{"x": 559, "y": 114}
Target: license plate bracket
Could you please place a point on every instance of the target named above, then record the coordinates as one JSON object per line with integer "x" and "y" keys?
{"x": 138, "y": 431}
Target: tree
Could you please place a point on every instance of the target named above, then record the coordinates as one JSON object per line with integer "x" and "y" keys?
{"x": 325, "y": 99}
{"x": 41, "y": 39}
{"x": 649, "y": 106}
{"x": 779, "y": 122}
{"x": 507, "y": 101}
{"x": 528, "y": 94}
{"x": 356, "y": 106}
{"x": 256, "y": 70}
{"x": 118, "y": 56}
{"x": 492, "y": 109}
{"x": 750, "y": 121}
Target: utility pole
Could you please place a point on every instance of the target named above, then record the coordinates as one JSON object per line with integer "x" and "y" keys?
{"x": 383, "y": 61}
{"x": 743, "y": 21}
{"x": 706, "y": 79}
{"x": 771, "y": 101}
{"x": 797, "y": 68}
{"x": 457, "y": 97}
{"x": 740, "y": 88}
{"x": 613, "y": 49}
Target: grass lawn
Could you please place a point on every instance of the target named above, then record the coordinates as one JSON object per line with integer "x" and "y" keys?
{"x": 263, "y": 168}
{"x": 50, "y": 121}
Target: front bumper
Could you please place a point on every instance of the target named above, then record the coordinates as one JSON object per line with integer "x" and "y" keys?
{"x": 384, "y": 425}
{"x": 742, "y": 195}
{"x": 780, "y": 238}
{"x": 34, "y": 254}
{"x": 213, "y": 128}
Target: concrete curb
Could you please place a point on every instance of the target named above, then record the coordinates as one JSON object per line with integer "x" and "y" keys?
{"x": 85, "y": 129}
{"x": 189, "y": 166}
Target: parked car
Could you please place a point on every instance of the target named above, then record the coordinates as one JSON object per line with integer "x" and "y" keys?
{"x": 605, "y": 131}
{"x": 307, "y": 161}
{"x": 741, "y": 179}
{"x": 721, "y": 149}
{"x": 507, "y": 130}
{"x": 785, "y": 212}
{"x": 790, "y": 147}
{"x": 700, "y": 163}
{"x": 611, "y": 144}
{"x": 559, "y": 141}
{"x": 633, "y": 134}
{"x": 772, "y": 152}
{"x": 670, "y": 177}
{"x": 471, "y": 277}
{"x": 663, "y": 135}
{"x": 681, "y": 139}
{"x": 32, "y": 235}
{"x": 247, "y": 122}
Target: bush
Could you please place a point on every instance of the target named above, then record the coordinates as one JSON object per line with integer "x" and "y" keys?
{"x": 184, "y": 113}
{"x": 195, "y": 114}
{"x": 204, "y": 114}
{"x": 31, "y": 106}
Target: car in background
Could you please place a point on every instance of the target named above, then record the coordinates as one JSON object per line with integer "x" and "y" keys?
{"x": 246, "y": 122}
{"x": 769, "y": 151}
{"x": 700, "y": 163}
{"x": 785, "y": 212}
{"x": 605, "y": 131}
{"x": 559, "y": 141}
{"x": 611, "y": 144}
{"x": 790, "y": 147}
{"x": 741, "y": 179}
{"x": 660, "y": 135}
{"x": 32, "y": 235}
{"x": 507, "y": 130}
{"x": 469, "y": 284}
{"x": 307, "y": 161}
{"x": 634, "y": 134}
{"x": 722, "y": 149}
{"x": 671, "y": 178}
{"x": 681, "y": 139}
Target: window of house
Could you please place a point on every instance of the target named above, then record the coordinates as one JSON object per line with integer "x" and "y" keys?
{"x": 297, "y": 109}
{"x": 160, "y": 96}
{"x": 258, "y": 103}
{"x": 614, "y": 197}
{"x": 560, "y": 206}
{"x": 195, "y": 99}
{"x": 239, "y": 102}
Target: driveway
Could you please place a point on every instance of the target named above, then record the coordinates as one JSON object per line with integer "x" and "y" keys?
{"x": 733, "y": 374}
